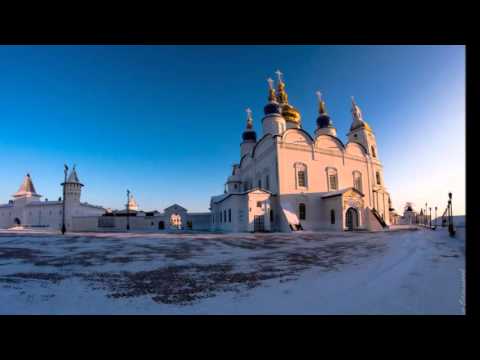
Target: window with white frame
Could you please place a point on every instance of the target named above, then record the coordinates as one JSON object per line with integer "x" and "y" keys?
{"x": 357, "y": 180}
{"x": 301, "y": 175}
{"x": 332, "y": 179}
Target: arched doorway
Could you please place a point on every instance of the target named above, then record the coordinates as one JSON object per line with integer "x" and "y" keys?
{"x": 17, "y": 221}
{"x": 352, "y": 219}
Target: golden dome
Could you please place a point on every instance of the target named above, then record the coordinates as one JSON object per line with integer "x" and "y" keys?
{"x": 291, "y": 114}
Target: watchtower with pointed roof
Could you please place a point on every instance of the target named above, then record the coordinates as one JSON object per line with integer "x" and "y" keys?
{"x": 73, "y": 189}
{"x": 27, "y": 191}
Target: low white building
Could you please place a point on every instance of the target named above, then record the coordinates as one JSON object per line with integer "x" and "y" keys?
{"x": 27, "y": 210}
{"x": 174, "y": 217}
{"x": 410, "y": 216}
{"x": 290, "y": 180}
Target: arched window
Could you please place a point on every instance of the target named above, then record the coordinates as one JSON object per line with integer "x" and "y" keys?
{"x": 302, "y": 211}
{"x": 332, "y": 216}
{"x": 301, "y": 175}
{"x": 374, "y": 154}
{"x": 332, "y": 179}
{"x": 357, "y": 180}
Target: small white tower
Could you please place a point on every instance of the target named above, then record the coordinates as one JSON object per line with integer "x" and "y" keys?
{"x": 361, "y": 132}
{"x": 273, "y": 122}
{"x": 234, "y": 182}
{"x": 26, "y": 192}
{"x": 324, "y": 123}
{"x": 249, "y": 136}
{"x": 73, "y": 189}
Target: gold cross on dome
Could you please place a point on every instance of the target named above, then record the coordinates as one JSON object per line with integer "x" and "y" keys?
{"x": 270, "y": 83}
{"x": 279, "y": 75}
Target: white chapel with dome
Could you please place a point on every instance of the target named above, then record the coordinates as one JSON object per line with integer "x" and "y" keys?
{"x": 288, "y": 179}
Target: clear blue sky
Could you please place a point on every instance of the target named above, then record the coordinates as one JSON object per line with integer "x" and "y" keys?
{"x": 166, "y": 121}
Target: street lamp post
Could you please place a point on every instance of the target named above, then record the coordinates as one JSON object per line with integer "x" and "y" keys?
{"x": 430, "y": 217}
{"x": 451, "y": 229}
{"x": 65, "y": 170}
{"x": 425, "y": 218}
{"x": 128, "y": 210}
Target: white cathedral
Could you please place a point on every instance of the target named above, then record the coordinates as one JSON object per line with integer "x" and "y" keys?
{"x": 289, "y": 180}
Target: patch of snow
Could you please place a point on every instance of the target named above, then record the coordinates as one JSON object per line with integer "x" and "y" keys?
{"x": 406, "y": 270}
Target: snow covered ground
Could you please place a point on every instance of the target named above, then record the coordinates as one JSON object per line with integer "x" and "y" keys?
{"x": 405, "y": 271}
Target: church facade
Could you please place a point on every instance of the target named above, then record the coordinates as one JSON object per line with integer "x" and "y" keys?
{"x": 27, "y": 210}
{"x": 289, "y": 180}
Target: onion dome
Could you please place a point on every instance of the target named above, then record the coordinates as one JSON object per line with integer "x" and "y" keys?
{"x": 323, "y": 120}
{"x": 249, "y": 134}
{"x": 272, "y": 107}
{"x": 289, "y": 112}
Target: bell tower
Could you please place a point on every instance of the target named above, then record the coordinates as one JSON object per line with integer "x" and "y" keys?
{"x": 361, "y": 132}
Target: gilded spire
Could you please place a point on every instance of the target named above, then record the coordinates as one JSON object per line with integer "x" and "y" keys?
{"x": 271, "y": 91}
{"x": 321, "y": 104}
{"x": 356, "y": 112}
{"x": 281, "y": 93}
{"x": 358, "y": 117}
{"x": 249, "y": 118}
